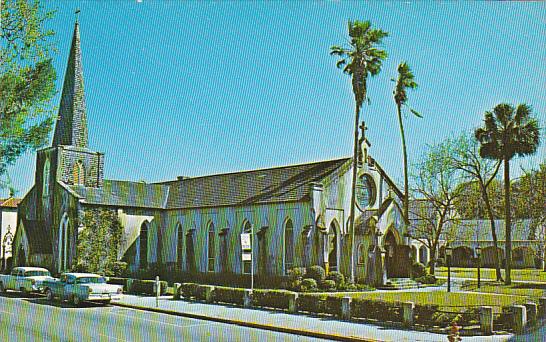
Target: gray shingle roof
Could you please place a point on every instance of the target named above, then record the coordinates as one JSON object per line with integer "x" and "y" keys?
{"x": 279, "y": 184}
{"x": 123, "y": 194}
{"x": 481, "y": 229}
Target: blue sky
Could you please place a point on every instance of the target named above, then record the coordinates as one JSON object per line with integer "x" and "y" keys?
{"x": 191, "y": 88}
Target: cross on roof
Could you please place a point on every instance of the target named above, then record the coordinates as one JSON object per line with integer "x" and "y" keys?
{"x": 363, "y": 129}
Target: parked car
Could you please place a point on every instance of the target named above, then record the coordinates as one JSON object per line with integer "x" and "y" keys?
{"x": 79, "y": 287}
{"x": 25, "y": 279}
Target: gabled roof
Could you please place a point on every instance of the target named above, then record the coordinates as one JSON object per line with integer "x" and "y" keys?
{"x": 279, "y": 184}
{"x": 10, "y": 202}
{"x": 122, "y": 194}
{"x": 472, "y": 230}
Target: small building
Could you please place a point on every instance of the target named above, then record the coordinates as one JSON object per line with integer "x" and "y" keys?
{"x": 8, "y": 223}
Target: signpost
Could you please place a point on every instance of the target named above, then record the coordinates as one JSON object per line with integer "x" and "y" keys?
{"x": 247, "y": 254}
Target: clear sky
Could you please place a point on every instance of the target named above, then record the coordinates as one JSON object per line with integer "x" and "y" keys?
{"x": 191, "y": 88}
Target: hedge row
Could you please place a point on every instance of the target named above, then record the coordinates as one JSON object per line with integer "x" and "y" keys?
{"x": 369, "y": 309}
{"x": 228, "y": 295}
{"x": 137, "y": 286}
{"x": 277, "y": 299}
{"x": 377, "y": 310}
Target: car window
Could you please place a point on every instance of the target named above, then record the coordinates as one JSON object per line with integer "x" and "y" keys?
{"x": 14, "y": 272}
{"x": 37, "y": 273}
{"x": 90, "y": 280}
{"x": 63, "y": 278}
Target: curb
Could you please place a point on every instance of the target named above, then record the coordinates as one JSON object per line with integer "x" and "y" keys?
{"x": 292, "y": 331}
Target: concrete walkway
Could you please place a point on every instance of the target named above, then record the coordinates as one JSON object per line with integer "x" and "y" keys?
{"x": 324, "y": 327}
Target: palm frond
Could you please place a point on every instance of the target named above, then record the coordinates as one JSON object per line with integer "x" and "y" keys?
{"x": 417, "y": 114}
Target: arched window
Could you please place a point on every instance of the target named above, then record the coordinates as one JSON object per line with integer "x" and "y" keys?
{"x": 190, "y": 252}
{"x": 211, "y": 248}
{"x": 247, "y": 264}
{"x": 45, "y": 178}
{"x": 79, "y": 173}
{"x": 63, "y": 241}
{"x": 288, "y": 245}
{"x": 179, "y": 245}
{"x": 143, "y": 245}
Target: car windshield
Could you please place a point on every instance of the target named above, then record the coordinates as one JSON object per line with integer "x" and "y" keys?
{"x": 90, "y": 280}
{"x": 37, "y": 273}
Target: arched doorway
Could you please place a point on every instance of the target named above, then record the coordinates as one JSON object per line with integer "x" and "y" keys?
{"x": 190, "y": 252}
{"x": 143, "y": 248}
{"x": 21, "y": 257}
{"x": 333, "y": 247}
{"x": 423, "y": 255}
{"x": 62, "y": 244}
{"x": 390, "y": 248}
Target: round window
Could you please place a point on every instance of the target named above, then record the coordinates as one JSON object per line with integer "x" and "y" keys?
{"x": 365, "y": 192}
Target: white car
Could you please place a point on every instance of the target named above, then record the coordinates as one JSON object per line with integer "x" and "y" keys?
{"x": 79, "y": 287}
{"x": 25, "y": 279}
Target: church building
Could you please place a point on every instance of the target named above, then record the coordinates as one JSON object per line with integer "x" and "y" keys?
{"x": 297, "y": 215}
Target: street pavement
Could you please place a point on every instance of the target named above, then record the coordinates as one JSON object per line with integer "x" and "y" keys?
{"x": 36, "y": 319}
{"x": 294, "y": 321}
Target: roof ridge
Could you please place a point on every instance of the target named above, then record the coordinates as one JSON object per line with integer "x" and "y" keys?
{"x": 254, "y": 170}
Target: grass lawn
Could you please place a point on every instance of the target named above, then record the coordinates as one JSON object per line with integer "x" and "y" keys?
{"x": 453, "y": 301}
{"x": 514, "y": 289}
{"x": 489, "y": 273}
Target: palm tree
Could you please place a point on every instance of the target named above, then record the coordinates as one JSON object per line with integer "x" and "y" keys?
{"x": 360, "y": 59}
{"x": 405, "y": 81}
{"x": 508, "y": 132}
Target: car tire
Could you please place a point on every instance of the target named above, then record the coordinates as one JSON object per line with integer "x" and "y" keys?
{"x": 49, "y": 295}
{"x": 2, "y": 288}
{"x": 24, "y": 291}
{"x": 106, "y": 302}
{"x": 76, "y": 300}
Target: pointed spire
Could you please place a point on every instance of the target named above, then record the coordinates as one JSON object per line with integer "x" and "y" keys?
{"x": 71, "y": 127}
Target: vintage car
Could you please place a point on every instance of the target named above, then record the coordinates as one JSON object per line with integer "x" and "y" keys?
{"x": 79, "y": 287}
{"x": 25, "y": 279}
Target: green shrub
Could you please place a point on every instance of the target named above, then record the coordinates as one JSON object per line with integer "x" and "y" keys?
{"x": 277, "y": 299}
{"x": 376, "y": 310}
{"x": 424, "y": 314}
{"x": 147, "y": 287}
{"x": 338, "y": 278}
{"x": 350, "y": 287}
{"x": 119, "y": 268}
{"x": 312, "y": 303}
{"x": 308, "y": 284}
{"x": 294, "y": 279}
{"x": 316, "y": 272}
{"x": 418, "y": 270}
{"x": 328, "y": 285}
{"x": 319, "y": 304}
{"x": 427, "y": 279}
{"x": 188, "y": 290}
{"x": 119, "y": 281}
{"x": 296, "y": 273}
{"x": 228, "y": 295}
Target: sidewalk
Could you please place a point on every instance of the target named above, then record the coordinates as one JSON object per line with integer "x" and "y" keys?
{"x": 321, "y": 327}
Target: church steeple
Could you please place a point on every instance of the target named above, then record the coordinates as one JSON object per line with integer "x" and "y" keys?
{"x": 71, "y": 127}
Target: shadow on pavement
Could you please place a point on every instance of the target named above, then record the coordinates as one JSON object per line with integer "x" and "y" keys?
{"x": 64, "y": 305}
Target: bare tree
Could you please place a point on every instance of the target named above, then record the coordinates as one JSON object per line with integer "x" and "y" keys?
{"x": 436, "y": 184}
{"x": 465, "y": 156}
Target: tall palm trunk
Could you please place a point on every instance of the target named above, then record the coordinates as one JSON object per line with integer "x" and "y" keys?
{"x": 507, "y": 217}
{"x": 493, "y": 230}
{"x": 405, "y": 154}
{"x": 353, "y": 191}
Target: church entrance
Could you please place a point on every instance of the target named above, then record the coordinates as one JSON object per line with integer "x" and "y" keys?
{"x": 332, "y": 246}
{"x": 397, "y": 258}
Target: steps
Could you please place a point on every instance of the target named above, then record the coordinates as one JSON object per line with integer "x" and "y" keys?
{"x": 399, "y": 284}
